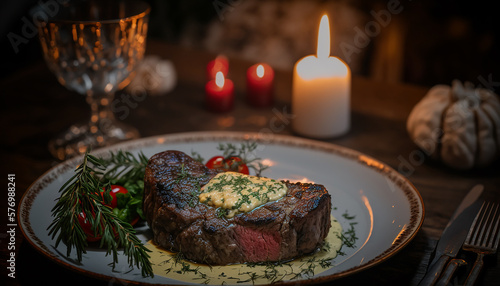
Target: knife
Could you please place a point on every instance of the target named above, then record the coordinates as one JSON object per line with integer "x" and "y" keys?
{"x": 453, "y": 235}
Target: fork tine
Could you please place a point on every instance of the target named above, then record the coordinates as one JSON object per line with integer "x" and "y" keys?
{"x": 485, "y": 226}
{"x": 485, "y": 222}
{"x": 483, "y": 237}
{"x": 488, "y": 234}
{"x": 476, "y": 229}
{"x": 477, "y": 225}
{"x": 493, "y": 242}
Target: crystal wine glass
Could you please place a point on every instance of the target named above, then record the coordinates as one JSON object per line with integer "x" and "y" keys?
{"x": 92, "y": 47}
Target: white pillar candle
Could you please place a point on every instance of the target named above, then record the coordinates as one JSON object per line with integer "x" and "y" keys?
{"x": 321, "y": 91}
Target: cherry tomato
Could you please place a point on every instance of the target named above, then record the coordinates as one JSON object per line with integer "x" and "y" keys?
{"x": 234, "y": 164}
{"x": 115, "y": 189}
{"x": 216, "y": 162}
{"x": 87, "y": 228}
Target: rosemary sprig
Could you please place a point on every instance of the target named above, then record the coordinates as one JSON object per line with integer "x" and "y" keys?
{"x": 81, "y": 194}
{"x": 70, "y": 204}
{"x": 125, "y": 167}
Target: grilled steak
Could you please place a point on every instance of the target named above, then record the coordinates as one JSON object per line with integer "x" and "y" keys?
{"x": 294, "y": 225}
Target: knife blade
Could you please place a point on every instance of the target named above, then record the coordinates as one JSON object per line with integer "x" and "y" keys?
{"x": 454, "y": 234}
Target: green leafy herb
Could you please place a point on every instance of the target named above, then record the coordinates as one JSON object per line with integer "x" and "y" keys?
{"x": 80, "y": 194}
{"x": 126, "y": 170}
{"x": 195, "y": 155}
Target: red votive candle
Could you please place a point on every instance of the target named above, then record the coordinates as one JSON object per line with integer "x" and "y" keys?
{"x": 260, "y": 86}
{"x": 219, "y": 94}
{"x": 219, "y": 64}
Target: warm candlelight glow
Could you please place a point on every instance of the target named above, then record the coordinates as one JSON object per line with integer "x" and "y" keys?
{"x": 219, "y": 93}
{"x": 219, "y": 79}
{"x": 260, "y": 89}
{"x": 219, "y": 64}
{"x": 323, "y": 51}
{"x": 260, "y": 71}
{"x": 321, "y": 91}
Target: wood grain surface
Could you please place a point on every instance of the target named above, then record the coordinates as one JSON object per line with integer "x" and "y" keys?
{"x": 35, "y": 107}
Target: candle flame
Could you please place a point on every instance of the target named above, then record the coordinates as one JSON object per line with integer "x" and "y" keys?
{"x": 219, "y": 79}
{"x": 217, "y": 66}
{"x": 260, "y": 71}
{"x": 323, "y": 50}
{"x": 219, "y": 62}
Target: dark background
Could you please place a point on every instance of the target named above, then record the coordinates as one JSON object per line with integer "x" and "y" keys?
{"x": 429, "y": 42}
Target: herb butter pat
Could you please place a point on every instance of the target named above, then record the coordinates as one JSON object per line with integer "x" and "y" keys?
{"x": 235, "y": 192}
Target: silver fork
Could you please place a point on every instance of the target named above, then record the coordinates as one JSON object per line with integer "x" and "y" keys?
{"x": 483, "y": 237}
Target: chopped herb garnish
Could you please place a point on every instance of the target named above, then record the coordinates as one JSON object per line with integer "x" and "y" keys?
{"x": 246, "y": 151}
{"x": 182, "y": 174}
{"x": 240, "y": 193}
{"x": 347, "y": 216}
{"x": 349, "y": 237}
{"x": 220, "y": 212}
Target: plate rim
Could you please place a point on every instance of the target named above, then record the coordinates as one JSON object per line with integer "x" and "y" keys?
{"x": 417, "y": 207}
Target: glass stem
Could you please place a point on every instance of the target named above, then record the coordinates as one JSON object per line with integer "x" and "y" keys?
{"x": 102, "y": 118}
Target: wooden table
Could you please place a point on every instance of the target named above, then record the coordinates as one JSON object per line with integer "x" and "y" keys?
{"x": 35, "y": 108}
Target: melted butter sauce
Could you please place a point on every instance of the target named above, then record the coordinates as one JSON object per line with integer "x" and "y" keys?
{"x": 236, "y": 192}
{"x": 166, "y": 265}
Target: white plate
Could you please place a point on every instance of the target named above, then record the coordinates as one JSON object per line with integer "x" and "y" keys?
{"x": 389, "y": 210}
